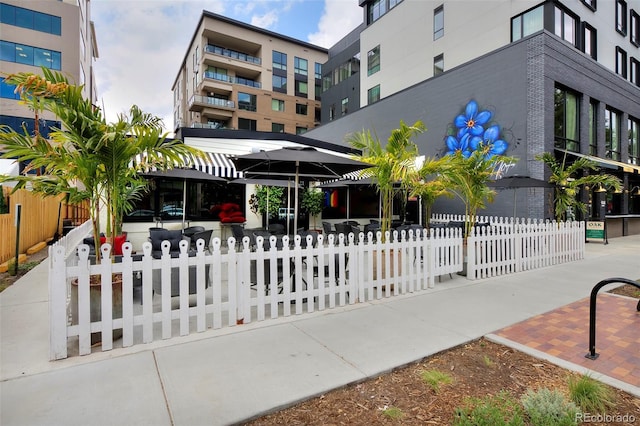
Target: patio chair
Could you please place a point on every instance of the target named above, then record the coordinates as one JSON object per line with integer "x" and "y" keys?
{"x": 327, "y": 228}
{"x": 192, "y": 230}
{"x": 205, "y": 235}
{"x": 343, "y": 228}
{"x": 276, "y": 228}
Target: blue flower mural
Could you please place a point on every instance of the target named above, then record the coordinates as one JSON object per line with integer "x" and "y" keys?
{"x": 473, "y": 131}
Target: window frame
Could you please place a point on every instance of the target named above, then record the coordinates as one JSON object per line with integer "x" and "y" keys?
{"x": 591, "y": 4}
{"x": 634, "y": 28}
{"x": 251, "y": 105}
{"x": 621, "y": 17}
{"x": 593, "y": 45}
{"x": 297, "y": 66}
{"x": 344, "y": 106}
{"x": 373, "y": 95}
{"x": 520, "y": 21}
{"x": 564, "y": 14}
{"x": 633, "y": 135}
{"x": 279, "y": 105}
{"x": 621, "y": 62}
{"x": 277, "y": 127}
{"x": 562, "y": 139}
{"x": 634, "y": 71}
{"x": 302, "y": 109}
{"x": 438, "y": 27}
{"x": 612, "y": 136}
{"x": 277, "y": 64}
{"x": 593, "y": 127}
{"x": 438, "y": 60}
{"x": 373, "y": 60}
{"x": 282, "y": 88}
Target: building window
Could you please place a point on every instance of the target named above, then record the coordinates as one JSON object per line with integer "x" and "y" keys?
{"x": 634, "y": 141}
{"x": 7, "y": 90}
{"x": 373, "y": 60}
{"x": 332, "y": 112}
{"x": 301, "y": 109}
{"x": 593, "y": 128}
{"x": 300, "y": 130}
{"x": 30, "y": 19}
{"x": 589, "y": 40}
{"x": 438, "y": 64}
{"x": 621, "y": 62}
{"x": 612, "y": 134}
{"x": 300, "y": 66}
{"x": 16, "y": 124}
{"x": 345, "y": 106}
{"x": 566, "y": 120}
{"x": 277, "y": 105}
{"x": 29, "y": 55}
{"x": 277, "y": 127}
{"x": 438, "y": 22}
{"x": 246, "y": 102}
{"x": 302, "y": 89}
{"x": 591, "y": 4}
{"x": 279, "y": 83}
{"x": 527, "y": 23}
{"x": 279, "y": 60}
{"x": 318, "y": 71}
{"x": 564, "y": 25}
{"x": 634, "y": 71}
{"x": 621, "y": 17}
{"x": 373, "y": 95}
{"x": 635, "y": 28}
{"x": 376, "y": 9}
{"x": 246, "y": 124}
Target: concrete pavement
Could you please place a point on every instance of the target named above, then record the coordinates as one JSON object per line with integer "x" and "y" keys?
{"x": 231, "y": 375}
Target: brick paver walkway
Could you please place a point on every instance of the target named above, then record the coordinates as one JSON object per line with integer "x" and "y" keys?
{"x": 564, "y": 333}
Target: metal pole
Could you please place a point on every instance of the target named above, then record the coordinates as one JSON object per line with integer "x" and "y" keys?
{"x": 17, "y": 223}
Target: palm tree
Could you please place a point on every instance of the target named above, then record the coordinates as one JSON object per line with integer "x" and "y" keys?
{"x": 88, "y": 158}
{"x": 467, "y": 178}
{"x": 569, "y": 180}
{"x": 391, "y": 165}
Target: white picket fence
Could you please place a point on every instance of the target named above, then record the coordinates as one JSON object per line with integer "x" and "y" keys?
{"x": 222, "y": 286}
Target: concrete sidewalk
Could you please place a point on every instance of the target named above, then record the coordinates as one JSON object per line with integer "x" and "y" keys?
{"x": 231, "y": 375}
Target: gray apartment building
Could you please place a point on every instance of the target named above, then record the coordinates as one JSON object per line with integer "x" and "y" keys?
{"x": 553, "y": 76}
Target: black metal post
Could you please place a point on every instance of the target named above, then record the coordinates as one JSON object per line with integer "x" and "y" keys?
{"x": 592, "y": 311}
{"x": 17, "y": 223}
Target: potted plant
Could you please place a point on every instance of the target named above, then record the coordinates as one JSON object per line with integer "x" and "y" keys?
{"x": 569, "y": 181}
{"x": 312, "y": 201}
{"x": 266, "y": 200}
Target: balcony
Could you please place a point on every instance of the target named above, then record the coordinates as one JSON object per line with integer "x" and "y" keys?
{"x": 197, "y": 103}
{"x": 212, "y": 80}
{"x": 221, "y": 51}
{"x": 232, "y": 60}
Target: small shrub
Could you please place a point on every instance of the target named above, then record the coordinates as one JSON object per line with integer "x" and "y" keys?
{"x": 589, "y": 394}
{"x": 435, "y": 378}
{"x": 12, "y": 267}
{"x": 393, "y": 413}
{"x": 501, "y": 409}
{"x": 487, "y": 361}
{"x": 549, "y": 408}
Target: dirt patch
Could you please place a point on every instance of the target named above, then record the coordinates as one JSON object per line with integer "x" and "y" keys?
{"x": 627, "y": 290}
{"x": 33, "y": 260}
{"x": 478, "y": 369}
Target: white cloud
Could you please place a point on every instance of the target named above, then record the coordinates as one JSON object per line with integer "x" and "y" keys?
{"x": 268, "y": 20}
{"x": 340, "y": 17}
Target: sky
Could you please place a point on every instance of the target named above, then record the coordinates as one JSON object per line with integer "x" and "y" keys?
{"x": 141, "y": 43}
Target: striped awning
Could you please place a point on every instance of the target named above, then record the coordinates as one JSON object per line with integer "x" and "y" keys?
{"x": 217, "y": 164}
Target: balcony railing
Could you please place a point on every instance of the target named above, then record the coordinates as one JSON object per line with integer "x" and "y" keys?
{"x": 222, "y": 103}
{"x": 210, "y": 126}
{"x": 227, "y": 79}
{"x": 217, "y": 50}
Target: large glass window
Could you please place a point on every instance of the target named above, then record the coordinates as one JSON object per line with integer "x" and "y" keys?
{"x": 247, "y": 124}
{"x": 634, "y": 34}
{"x": 438, "y": 64}
{"x": 318, "y": 71}
{"x": 300, "y": 66}
{"x": 564, "y": 25}
{"x": 7, "y": 90}
{"x": 373, "y": 60}
{"x": 612, "y": 134}
{"x": 593, "y": 128}
{"x": 277, "y": 127}
{"x": 438, "y": 22}
{"x": 279, "y": 60}
{"x": 373, "y": 95}
{"x": 634, "y": 140}
{"x": 29, "y": 55}
{"x": 527, "y": 23}
{"x": 589, "y": 40}
{"x": 30, "y": 19}
{"x": 566, "y": 122}
{"x": 621, "y": 17}
{"x": 247, "y": 101}
{"x": 302, "y": 89}
{"x": 279, "y": 83}
{"x": 376, "y": 9}
{"x": 621, "y": 62}
{"x": 634, "y": 71}
{"x": 277, "y": 105}
{"x": 302, "y": 109}
{"x": 345, "y": 106}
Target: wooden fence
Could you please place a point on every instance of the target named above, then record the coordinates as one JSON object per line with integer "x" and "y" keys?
{"x": 38, "y": 220}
